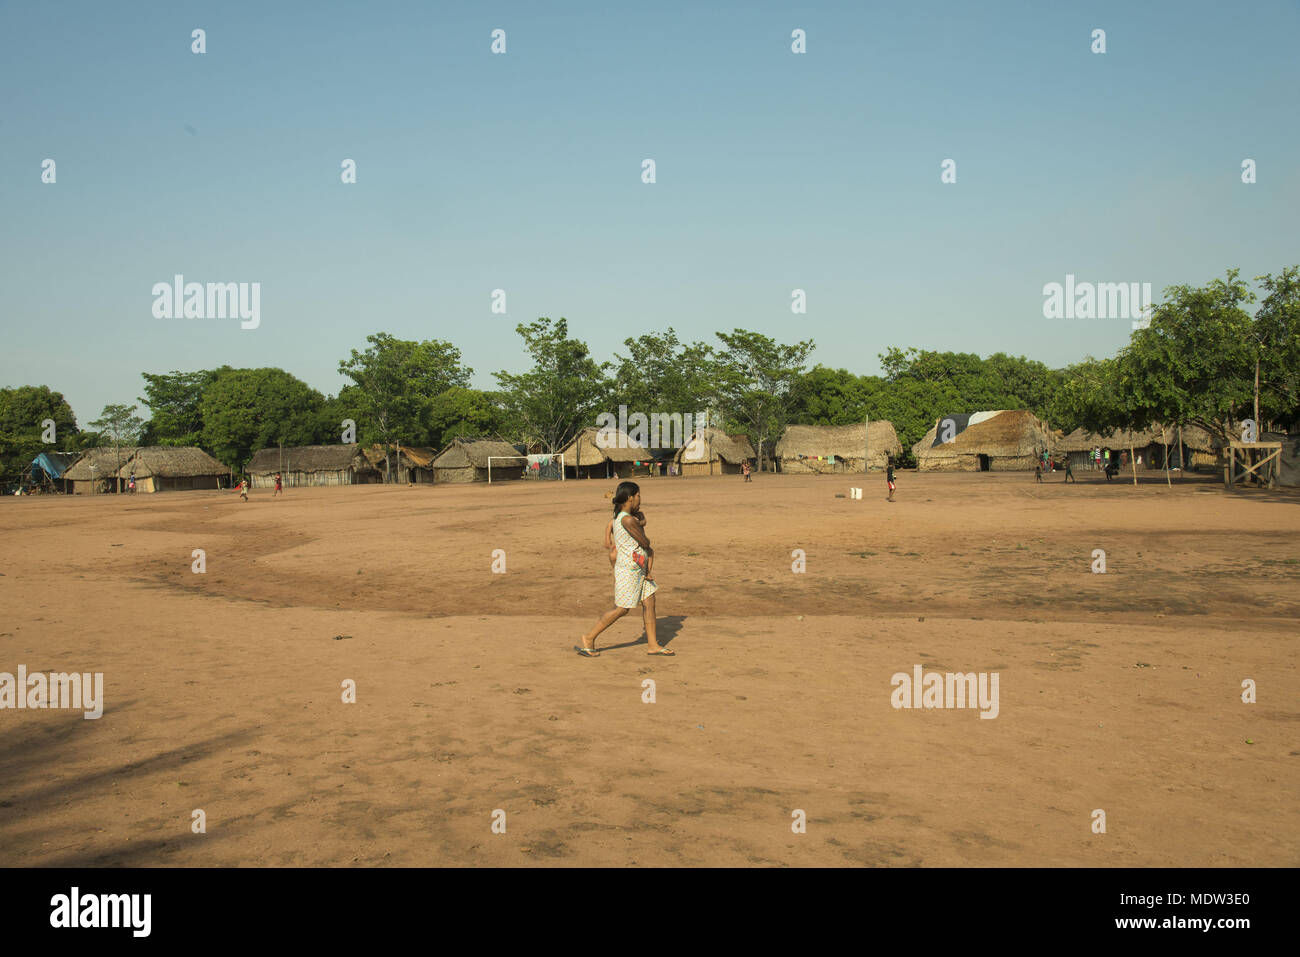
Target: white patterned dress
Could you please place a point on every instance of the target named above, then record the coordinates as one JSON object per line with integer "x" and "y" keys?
{"x": 630, "y": 584}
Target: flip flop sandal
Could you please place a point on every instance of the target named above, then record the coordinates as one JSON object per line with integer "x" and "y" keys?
{"x": 662, "y": 653}
{"x": 586, "y": 652}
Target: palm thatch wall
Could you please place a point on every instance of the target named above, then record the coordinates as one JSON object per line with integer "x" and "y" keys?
{"x": 466, "y": 460}
{"x": 821, "y": 449}
{"x": 304, "y": 465}
{"x": 1001, "y": 441}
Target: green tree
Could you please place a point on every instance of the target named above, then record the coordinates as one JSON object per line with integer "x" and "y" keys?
{"x": 23, "y": 413}
{"x": 1194, "y": 363}
{"x": 395, "y": 380}
{"x": 249, "y": 409}
{"x": 563, "y": 390}
{"x": 662, "y": 374}
{"x": 175, "y": 403}
{"x": 463, "y": 411}
{"x": 755, "y": 382}
{"x": 1277, "y": 334}
{"x": 118, "y": 425}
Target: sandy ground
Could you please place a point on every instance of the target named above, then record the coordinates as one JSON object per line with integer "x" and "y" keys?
{"x": 1118, "y": 691}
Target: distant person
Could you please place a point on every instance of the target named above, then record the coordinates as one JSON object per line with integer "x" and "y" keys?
{"x": 632, "y": 584}
{"x": 279, "y": 485}
{"x": 243, "y": 490}
{"x": 744, "y": 467}
{"x": 1069, "y": 473}
{"x": 131, "y": 483}
{"x": 889, "y": 480}
{"x": 1038, "y": 474}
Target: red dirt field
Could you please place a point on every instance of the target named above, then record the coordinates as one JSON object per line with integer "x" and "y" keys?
{"x": 1119, "y": 691}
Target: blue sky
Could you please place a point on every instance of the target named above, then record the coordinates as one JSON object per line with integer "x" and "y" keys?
{"x": 522, "y": 171}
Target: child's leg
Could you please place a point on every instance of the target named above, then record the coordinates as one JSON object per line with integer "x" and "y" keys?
{"x": 613, "y": 557}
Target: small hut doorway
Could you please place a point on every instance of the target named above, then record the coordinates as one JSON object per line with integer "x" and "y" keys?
{"x": 984, "y": 463}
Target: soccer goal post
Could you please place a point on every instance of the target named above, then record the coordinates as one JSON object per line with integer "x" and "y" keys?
{"x": 545, "y": 468}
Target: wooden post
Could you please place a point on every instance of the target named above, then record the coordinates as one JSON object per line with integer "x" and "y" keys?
{"x": 1168, "y": 480}
{"x": 1182, "y": 452}
{"x": 1132, "y": 458}
{"x": 866, "y": 445}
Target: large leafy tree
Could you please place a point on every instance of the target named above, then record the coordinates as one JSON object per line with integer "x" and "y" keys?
{"x": 249, "y": 409}
{"x": 118, "y": 425}
{"x": 175, "y": 403}
{"x": 1277, "y": 337}
{"x": 395, "y": 380}
{"x": 565, "y": 387}
{"x": 755, "y": 382}
{"x": 463, "y": 411}
{"x": 662, "y": 374}
{"x": 23, "y": 412}
{"x": 1194, "y": 363}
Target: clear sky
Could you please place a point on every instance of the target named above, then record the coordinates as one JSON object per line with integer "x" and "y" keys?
{"x": 522, "y": 171}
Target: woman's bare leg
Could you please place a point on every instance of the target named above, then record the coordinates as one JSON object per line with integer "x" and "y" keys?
{"x": 648, "y": 616}
{"x": 607, "y": 619}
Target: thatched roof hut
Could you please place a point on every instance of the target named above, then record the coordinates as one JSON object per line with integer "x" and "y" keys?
{"x": 466, "y": 460}
{"x": 820, "y": 449}
{"x": 711, "y": 451}
{"x": 605, "y": 453}
{"x": 160, "y": 468}
{"x": 999, "y": 441}
{"x": 96, "y": 469}
{"x": 412, "y": 463}
{"x": 311, "y": 465}
{"x": 1150, "y": 444}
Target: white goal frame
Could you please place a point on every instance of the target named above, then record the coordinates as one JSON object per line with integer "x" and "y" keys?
{"x": 559, "y": 456}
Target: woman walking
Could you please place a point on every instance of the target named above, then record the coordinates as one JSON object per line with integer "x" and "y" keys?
{"x": 631, "y": 586}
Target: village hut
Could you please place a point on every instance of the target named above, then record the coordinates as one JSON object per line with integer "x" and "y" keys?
{"x": 824, "y": 449}
{"x": 1150, "y": 447}
{"x": 1000, "y": 441}
{"x": 305, "y": 465}
{"x": 411, "y": 464}
{"x": 711, "y": 451}
{"x": 96, "y": 470}
{"x": 159, "y": 468}
{"x": 48, "y": 468}
{"x": 466, "y": 460}
{"x": 605, "y": 453}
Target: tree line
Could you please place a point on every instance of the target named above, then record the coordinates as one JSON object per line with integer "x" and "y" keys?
{"x": 1204, "y": 359}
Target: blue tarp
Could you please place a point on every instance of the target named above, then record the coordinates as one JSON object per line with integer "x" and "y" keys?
{"x": 53, "y": 464}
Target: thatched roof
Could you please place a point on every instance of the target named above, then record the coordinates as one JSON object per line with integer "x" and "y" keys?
{"x": 724, "y": 447}
{"x": 171, "y": 461}
{"x": 620, "y": 448}
{"x": 463, "y": 453}
{"x": 1005, "y": 432}
{"x": 841, "y": 441}
{"x": 412, "y": 456}
{"x": 307, "y": 458}
{"x": 105, "y": 460}
{"x": 1194, "y": 437}
{"x": 743, "y": 443}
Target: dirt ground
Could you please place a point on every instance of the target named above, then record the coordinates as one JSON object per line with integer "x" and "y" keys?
{"x": 1119, "y": 691}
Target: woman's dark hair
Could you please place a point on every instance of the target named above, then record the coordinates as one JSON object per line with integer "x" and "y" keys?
{"x": 625, "y": 491}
